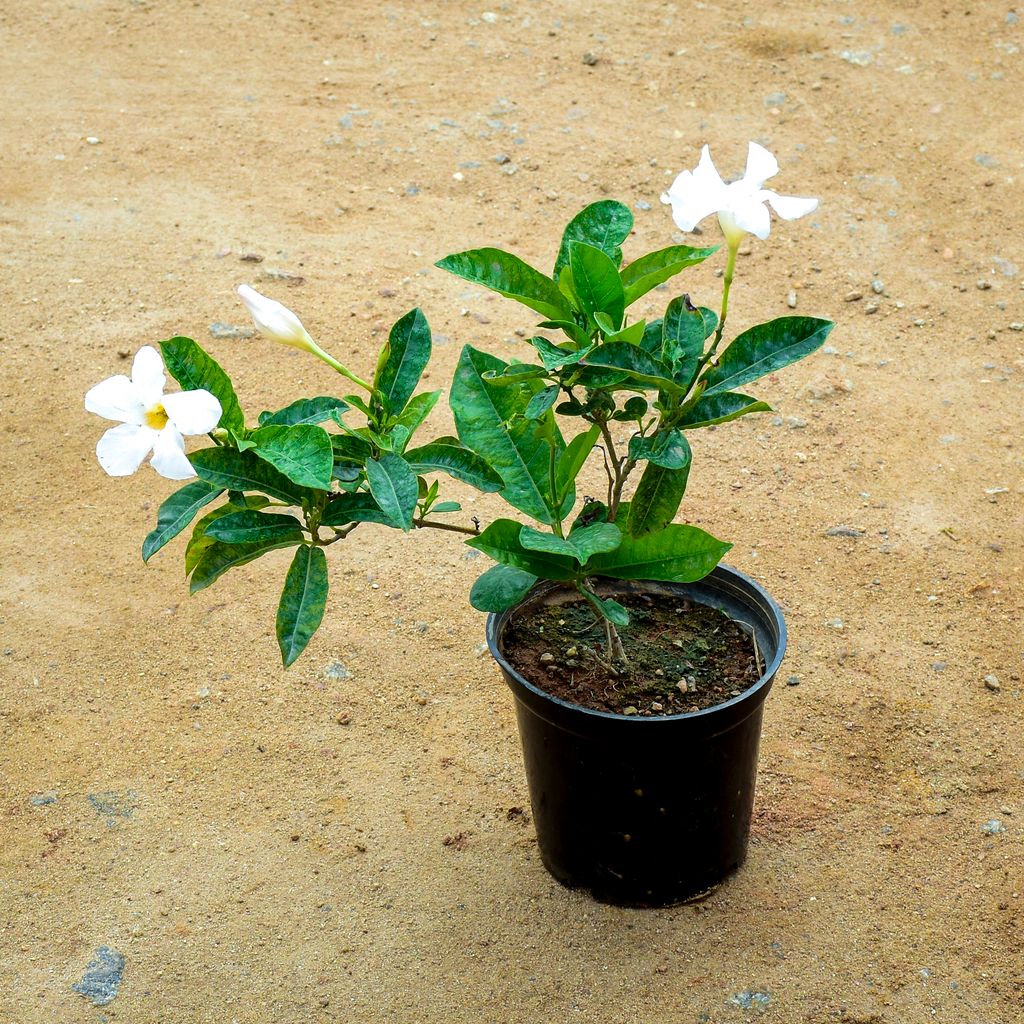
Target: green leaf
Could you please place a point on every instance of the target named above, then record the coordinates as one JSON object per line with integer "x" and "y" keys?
{"x": 667, "y": 448}
{"x": 572, "y": 329}
{"x": 302, "y": 453}
{"x": 634, "y": 409}
{"x": 302, "y": 602}
{"x": 652, "y": 339}
{"x": 305, "y": 410}
{"x": 720, "y": 408}
{"x": 490, "y": 421}
{"x": 538, "y": 540}
{"x": 678, "y": 553}
{"x": 355, "y": 507}
{"x": 199, "y": 542}
{"x": 608, "y": 609}
{"x": 403, "y": 360}
{"x": 541, "y": 402}
{"x": 217, "y": 557}
{"x": 393, "y": 485}
{"x": 684, "y": 330}
{"x": 416, "y": 411}
{"x": 656, "y": 499}
{"x": 449, "y": 455}
{"x": 446, "y": 506}
{"x": 246, "y": 471}
{"x": 597, "y": 282}
{"x": 508, "y": 275}
{"x": 631, "y": 335}
{"x": 501, "y": 541}
{"x": 194, "y": 369}
{"x": 571, "y": 461}
{"x": 764, "y": 349}
{"x": 554, "y": 357}
{"x": 605, "y": 225}
{"x": 501, "y": 587}
{"x": 350, "y": 448}
{"x": 248, "y": 525}
{"x": 657, "y": 267}
{"x": 639, "y": 364}
{"x": 176, "y": 513}
{"x": 594, "y": 539}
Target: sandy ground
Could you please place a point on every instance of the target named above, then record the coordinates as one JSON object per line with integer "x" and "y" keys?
{"x": 168, "y": 792}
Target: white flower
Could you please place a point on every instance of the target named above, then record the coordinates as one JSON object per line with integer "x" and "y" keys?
{"x": 150, "y": 420}
{"x": 274, "y": 320}
{"x": 740, "y": 204}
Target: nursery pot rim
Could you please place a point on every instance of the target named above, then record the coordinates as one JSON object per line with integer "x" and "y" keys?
{"x": 496, "y": 623}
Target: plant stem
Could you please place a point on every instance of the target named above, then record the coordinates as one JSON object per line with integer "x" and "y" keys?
{"x": 730, "y": 267}
{"x": 615, "y": 648}
{"x": 472, "y": 531}
{"x": 343, "y": 370}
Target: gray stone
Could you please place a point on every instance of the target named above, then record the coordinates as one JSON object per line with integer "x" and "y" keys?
{"x": 43, "y": 799}
{"x": 102, "y": 977}
{"x": 993, "y": 827}
{"x": 336, "y": 670}
{"x": 751, "y": 1000}
{"x": 992, "y": 683}
{"x": 229, "y": 331}
{"x": 843, "y": 531}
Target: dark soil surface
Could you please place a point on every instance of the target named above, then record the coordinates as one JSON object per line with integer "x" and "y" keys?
{"x": 682, "y": 656}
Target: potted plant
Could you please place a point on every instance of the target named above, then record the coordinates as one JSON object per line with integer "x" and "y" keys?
{"x": 639, "y": 664}
{"x": 640, "y": 721}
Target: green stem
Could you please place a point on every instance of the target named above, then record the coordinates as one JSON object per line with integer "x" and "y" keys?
{"x": 343, "y": 370}
{"x": 556, "y": 522}
{"x": 730, "y": 267}
{"x": 451, "y": 527}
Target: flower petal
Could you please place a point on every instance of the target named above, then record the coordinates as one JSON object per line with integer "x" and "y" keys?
{"x": 169, "y": 455}
{"x": 148, "y": 375}
{"x": 749, "y": 214}
{"x": 192, "y": 412}
{"x": 761, "y": 166}
{"x": 789, "y": 207}
{"x": 274, "y": 320}
{"x": 116, "y": 398}
{"x": 121, "y": 449}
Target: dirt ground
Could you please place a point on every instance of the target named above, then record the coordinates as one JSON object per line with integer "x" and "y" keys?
{"x": 170, "y": 793}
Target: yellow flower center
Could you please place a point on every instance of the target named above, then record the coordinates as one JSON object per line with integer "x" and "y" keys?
{"x": 156, "y": 418}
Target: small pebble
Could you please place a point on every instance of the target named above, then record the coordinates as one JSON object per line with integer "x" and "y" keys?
{"x": 681, "y": 686}
{"x": 630, "y": 710}
{"x": 572, "y": 652}
{"x": 877, "y": 286}
{"x": 344, "y": 718}
{"x": 655, "y": 706}
{"x": 984, "y": 285}
{"x": 843, "y": 531}
{"x": 853, "y": 296}
{"x": 871, "y": 307}
{"x": 590, "y": 59}
{"x": 993, "y": 827}
{"x": 992, "y": 683}
{"x": 793, "y": 681}
{"x": 547, "y": 658}
{"x": 791, "y": 299}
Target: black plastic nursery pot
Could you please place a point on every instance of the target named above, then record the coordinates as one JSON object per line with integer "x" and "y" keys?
{"x": 646, "y": 811}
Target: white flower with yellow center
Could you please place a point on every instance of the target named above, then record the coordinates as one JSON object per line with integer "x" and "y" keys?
{"x": 740, "y": 205}
{"x": 150, "y": 421}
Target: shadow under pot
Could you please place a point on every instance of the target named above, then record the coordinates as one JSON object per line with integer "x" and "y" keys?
{"x": 645, "y": 811}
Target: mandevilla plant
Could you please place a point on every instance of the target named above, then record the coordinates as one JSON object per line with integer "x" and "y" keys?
{"x": 289, "y": 482}
{"x": 664, "y": 377}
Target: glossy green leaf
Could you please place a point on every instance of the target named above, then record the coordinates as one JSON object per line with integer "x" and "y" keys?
{"x": 303, "y": 601}
{"x": 605, "y": 225}
{"x": 501, "y": 587}
{"x": 656, "y": 499}
{"x": 657, "y": 267}
{"x": 416, "y": 411}
{"x": 305, "y": 410}
{"x": 490, "y": 421}
{"x": 350, "y": 448}
{"x": 246, "y": 471}
{"x": 597, "y": 282}
{"x": 652, "y": 338}
{"x": 541, "y": 402}
{"x": 176, "y": 512}
{"x": 198, "y": 542}
{"x": 445, "y": 506}
{"x": 508, "y": 275}
{"x": 195, "y": 369}
{"x": 594, "y": 539}
{"x": 572, "y": 459}
{"x": 640, "y": 365}
{"x": 685, "y": 328}
{"x": 449, "y": 455}
{"x": 247, "y": 526}
{"x": 570, "y": 328}
{"x": 631, "y": 335}
{"x": 354, "y": 507}
{"x": 501, "y": 542}
{"x": 217, "y": 557}
{"x": 302, "y": 453}
{"x": 607, "y": 608}
{"x": 667, "y": 448}
{"x": 678, "y": 553}
{"x": 764, "y": 349}
{"x": 721, "y": 408}
{"x": 554, "y": 357}
{"x": 393, "y": 485}
{"x": 403, "y": 360}
{"x": 634, "y": 409}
